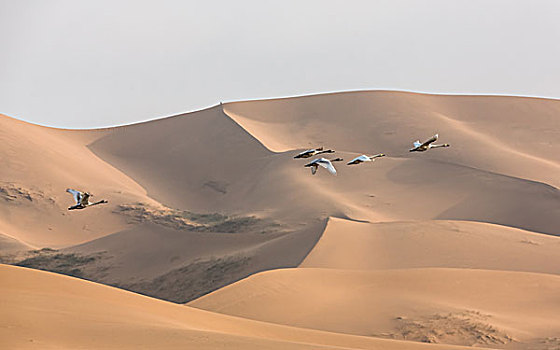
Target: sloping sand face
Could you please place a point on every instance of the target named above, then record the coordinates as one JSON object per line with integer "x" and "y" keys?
{"x": 510, "y": 306}
{"x": 202, "y": 163}
{"x": 418, "y": 244}
{"x": 451, "y": 246}
{"x": 38, "y": 165}
{"x": 508, "y": 135}
{"x": 393, "y": 280}
{"x": 41, "y": 310}
{"x": 9, "y": 244}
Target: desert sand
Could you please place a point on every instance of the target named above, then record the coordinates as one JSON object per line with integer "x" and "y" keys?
{"x": 456, "y": 246}
{"x": 454, "y": 306}
{"x": 45, "y": 310}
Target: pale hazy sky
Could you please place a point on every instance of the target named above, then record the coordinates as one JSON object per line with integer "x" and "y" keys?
{"x": 100, "y": 63}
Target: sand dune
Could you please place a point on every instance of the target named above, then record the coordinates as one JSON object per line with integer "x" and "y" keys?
{"x": 415, "y": 298}
{"x": 458, "y": 244}
{"x": 486, "y": 132}
{"x": 407, "y": 189}
{"x": 208, "y": 158}
{"x": 201, "y": 200}
{"x": 199, "y": 185}
{"x": 211, "y": 161}
{"x": 180, "y": 265}
{"x": 482, "y": 177}
{"x": 460, "y": 187}
{"x": 38, "y": 165}
{"x": 45, "y": 310}
{"x": 10, "y": 244}
{"x": 500, "y": 307}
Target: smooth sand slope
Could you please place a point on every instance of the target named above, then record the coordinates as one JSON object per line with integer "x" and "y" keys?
{"x": 453, "y": 306}
{"x": 9, "y": 244}
{"x": 458, "y": 244}
{"x": 179, "y": 265}
{"x": 42, "y": 310}
{"x": 38, "y": 164}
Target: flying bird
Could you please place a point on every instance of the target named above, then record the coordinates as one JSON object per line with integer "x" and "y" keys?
{"x": 82, "y": 199}
{"x": 365, "y": 158}
{"x": 428, "y": 144}
{"x": 323, "y": 162}
{"x": 312, "y": 152}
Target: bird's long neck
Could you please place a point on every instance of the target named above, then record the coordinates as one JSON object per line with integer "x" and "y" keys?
{"x": 442, "y": 145}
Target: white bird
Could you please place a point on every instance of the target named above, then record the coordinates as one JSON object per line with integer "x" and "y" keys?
{"x": 421, "y": 147}
{"x": 364, "y": 158}
{"x": 82, "y": 199}
{"x": 325, "y": 163}
{"x": 312, "y": 152}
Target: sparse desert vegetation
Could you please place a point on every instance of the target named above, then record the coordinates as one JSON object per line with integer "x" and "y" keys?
{"x": 463, "y": 328}
{"x": 52, "y": 260}
{"x": 186, "y": 220}
{"x": 194, "y": 280}
{"x": 18, "y": 194}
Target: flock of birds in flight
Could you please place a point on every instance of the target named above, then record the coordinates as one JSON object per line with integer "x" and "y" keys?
{"x": 82, "y": 198}
{"x": 327, "y": 163}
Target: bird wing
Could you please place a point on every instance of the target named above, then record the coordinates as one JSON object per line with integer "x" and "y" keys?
{"x": 325, "y": 163}
{"x": 314, "y": 161}
{"x": 430, "y": 140}
{"x": 313, "y": 169}
{"x": 363, "y": 158}
{"x": 75, "y": 194}
{"x": 359, "y": 159}
{"x": 417, "y": 143}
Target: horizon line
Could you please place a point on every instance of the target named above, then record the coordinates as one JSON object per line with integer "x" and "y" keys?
{"x": 460, "y": 94}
